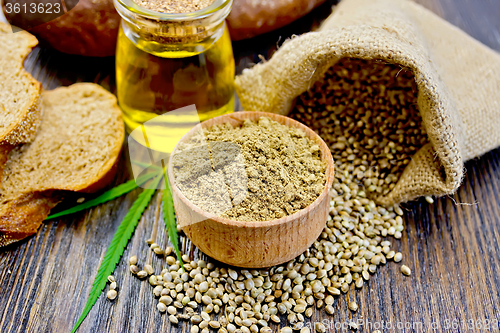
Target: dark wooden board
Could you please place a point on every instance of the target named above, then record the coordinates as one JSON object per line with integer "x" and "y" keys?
{"x": 452, "y": 246}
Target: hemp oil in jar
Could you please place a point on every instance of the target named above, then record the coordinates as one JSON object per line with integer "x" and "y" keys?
{"x": 167, "y": 61}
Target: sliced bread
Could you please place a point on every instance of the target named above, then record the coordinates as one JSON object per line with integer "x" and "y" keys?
{"x": 19, "y": 91}
{"x": 76, "y": 148}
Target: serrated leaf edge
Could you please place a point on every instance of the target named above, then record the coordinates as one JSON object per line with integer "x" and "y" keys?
{"x": 116, "y": 249}
{"x": 106, "y": 196}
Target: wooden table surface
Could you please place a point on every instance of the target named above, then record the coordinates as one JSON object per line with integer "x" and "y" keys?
{"x": 451, "y": 246}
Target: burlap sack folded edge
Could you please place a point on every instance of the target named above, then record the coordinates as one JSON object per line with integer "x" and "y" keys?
{"x": 392, "y": 31}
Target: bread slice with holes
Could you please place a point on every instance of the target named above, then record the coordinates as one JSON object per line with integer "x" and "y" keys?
{"x": 75, "y": 149}
{"x": 19, "y": 92}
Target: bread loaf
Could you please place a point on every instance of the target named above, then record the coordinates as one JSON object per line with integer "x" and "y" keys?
{"x": 250, "y": 18}
{"x": 91, "y": 27}
{"x": 75, "y": 149}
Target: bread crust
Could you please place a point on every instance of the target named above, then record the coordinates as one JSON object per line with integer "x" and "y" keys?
{"x": 91, "y": 27}
{"x": 23, "y": 214}
{"x": 5, "y": 150}
{"x": 108, "y": 170}
{"x": 250, "y": 18}
{"x": 88, "y": 29}
{"x": 24, "y": 129}
{"x": 105, "y": 178}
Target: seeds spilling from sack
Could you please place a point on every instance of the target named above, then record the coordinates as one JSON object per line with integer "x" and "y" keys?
{"x": 230, "y": 300}
{"x": 366, "y": 111}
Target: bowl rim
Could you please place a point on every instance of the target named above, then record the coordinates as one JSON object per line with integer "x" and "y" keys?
{"x": 239, "y": 116}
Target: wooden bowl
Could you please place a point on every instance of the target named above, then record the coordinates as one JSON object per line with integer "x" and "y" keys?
{"x": 254, "y": 244}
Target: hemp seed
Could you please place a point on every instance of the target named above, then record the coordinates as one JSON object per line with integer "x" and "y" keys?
{"x": 353, "y": 306}
{"x": 111, "y": 295}
{"x": 161, "y": 307}
{"x": 405, "y": 270}
{"x": 173, "y": 319}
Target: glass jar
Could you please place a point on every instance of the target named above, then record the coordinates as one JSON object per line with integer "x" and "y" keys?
{"x": 165, "y": 62}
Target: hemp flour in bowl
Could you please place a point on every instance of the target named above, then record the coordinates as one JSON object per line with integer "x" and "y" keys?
{"x": 259, "y": 171}
{"x": 251, "y": 189}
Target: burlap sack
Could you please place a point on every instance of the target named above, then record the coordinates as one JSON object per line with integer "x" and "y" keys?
{"x": 458, "y": 80}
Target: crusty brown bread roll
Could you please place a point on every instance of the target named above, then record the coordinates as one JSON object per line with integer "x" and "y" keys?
{"x": 250, "y": 18}
{"x": 90, "y": 28}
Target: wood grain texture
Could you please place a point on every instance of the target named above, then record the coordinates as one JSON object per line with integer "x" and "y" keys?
{"x": 451, "y": 246}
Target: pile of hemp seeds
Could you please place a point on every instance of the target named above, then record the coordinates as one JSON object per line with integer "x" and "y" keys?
{"x": 366, "y": 112}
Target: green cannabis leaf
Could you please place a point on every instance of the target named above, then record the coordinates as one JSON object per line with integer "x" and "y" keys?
{"x": 107, "y": 196}
{"x": 127, "y": 228}
{"x": 145, "y": 165}
{"x": 116, "y": 248}
{"x": 169, "y": 217}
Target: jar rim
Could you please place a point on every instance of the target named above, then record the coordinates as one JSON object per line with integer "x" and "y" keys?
{"x": 133, "y": 7}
